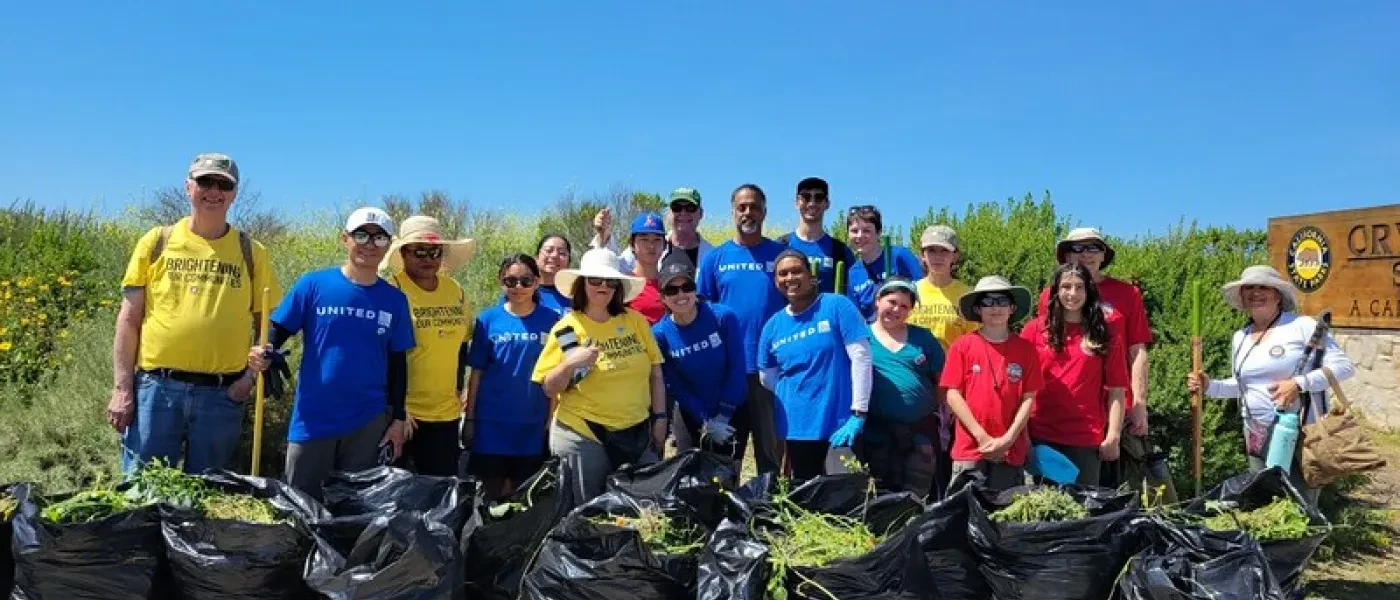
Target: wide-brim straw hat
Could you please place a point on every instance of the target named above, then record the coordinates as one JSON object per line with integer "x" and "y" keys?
{"x": 602, "y": 263}
{"x": 1266, "y": 276}
{"x": 427, "y": 230}
{"x": 994, "y": 283}
{"x": 1084, "y": 234}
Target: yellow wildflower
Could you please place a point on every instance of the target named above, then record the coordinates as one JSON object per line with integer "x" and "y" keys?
{"x": 43, "y": 317}
{"x": 44, "y": 287}
{"x": 62, "y": 334}
{"x": 29, "y": 300}
{"x": 24, "y": 320}
{"x": 24, "y": 282}
{"x": 64, "y": 281}
{"x": 5, "y": 346}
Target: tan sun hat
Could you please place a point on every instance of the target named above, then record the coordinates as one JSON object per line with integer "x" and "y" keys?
{"x": 1084, "y": 234}
{"x": 1266, "y": 276}
{"x": 422, "y": 229}
{"x": 995, "y": 283}
{"x": 599, "y": 262}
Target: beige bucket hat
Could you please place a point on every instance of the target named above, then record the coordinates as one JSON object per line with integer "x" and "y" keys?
{"x": 422, "y": 229}
{"x": 1266, "y": 276}
{"x": 602, "y": 263}
{"x": 1084, "y": 234}
{"x": 995, "y": 283}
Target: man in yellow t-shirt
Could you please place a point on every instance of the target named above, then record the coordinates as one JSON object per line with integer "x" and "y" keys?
{"x": 420, "y": 262}
{"x": 182, "y": 358}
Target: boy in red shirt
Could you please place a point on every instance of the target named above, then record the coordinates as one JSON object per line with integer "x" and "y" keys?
{"x": 992, "y": 377}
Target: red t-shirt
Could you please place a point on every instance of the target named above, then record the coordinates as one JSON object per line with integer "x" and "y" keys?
{"x": 1071, "y": 409}
{"x": 992, "y": 377}
{"x": 649, "y": 303}
{"x": 1123, "y": 298}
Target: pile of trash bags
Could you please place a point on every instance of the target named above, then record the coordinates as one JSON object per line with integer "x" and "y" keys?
{"x": 685, "y": 528}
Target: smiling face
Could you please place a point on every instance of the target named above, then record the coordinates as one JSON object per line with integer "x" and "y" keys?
{"x": 679, "y": 295}
{"x": 211, "y": 195}
{"x": 749, "y": 212}
{"x": 863, "y": 236}
{"x": 793, "y": 278}
{"x": 366, "y": 245}
{"x": 1089, "y": 253}
{"x": 893, "y": 308}
{"x": 995, "y": 309}
{"x": 553, "y": 256}
{"x": 518, "y": 282}
{"x": 812, "y": 205}
{"x": 685, "y": 217}
{"x": 601, "y": 291}
{"x": 1071, "y": 292}
{"x": 1260, "y": 300}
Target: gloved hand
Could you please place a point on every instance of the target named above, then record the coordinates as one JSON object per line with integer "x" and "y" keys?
{"x": 718, "y": 430}
{"x": 846, "y": 435}
{"x": 277, "y": 373}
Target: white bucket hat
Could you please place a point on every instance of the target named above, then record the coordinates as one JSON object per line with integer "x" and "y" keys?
{"x": 995, "y": 283}
{"x": 602, "y": 263}
{"x": 1084, "y": 234}
{"x": 1266, "y": 276}
{"x": 422, "y": 229}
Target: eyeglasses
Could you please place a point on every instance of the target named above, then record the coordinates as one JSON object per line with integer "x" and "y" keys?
{"x": 207, "y": 181}
{"x": 991, "y": 300}
{"x": 684, "y": 207}
{"x": 515, "y": 282}
{"x": 596, "y": 281}
{"x": 674, "y": 290}
{"x": 813, "y": 196}
{"x": 430, "y": 252}
{"x": 363, "y": 237}
{"x": 1081, "y": 248}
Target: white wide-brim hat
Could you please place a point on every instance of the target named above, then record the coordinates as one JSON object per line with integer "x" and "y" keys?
{"x": 990, "y": 284}
{"x": 427, "y": 230}
{"x": 602, "y": 263}
{"x": 1266, "y": 276}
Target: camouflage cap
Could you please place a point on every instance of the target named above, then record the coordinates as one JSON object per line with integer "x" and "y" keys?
{"x": 213, "y": 163}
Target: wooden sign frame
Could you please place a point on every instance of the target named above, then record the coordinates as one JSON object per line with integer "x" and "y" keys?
{"x": 1347, "y": 261}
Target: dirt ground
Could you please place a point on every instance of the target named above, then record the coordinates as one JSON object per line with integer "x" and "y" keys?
{"x": 1368, "y": 577}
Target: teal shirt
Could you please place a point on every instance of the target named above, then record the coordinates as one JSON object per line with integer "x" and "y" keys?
{"x": 904, "y": 382}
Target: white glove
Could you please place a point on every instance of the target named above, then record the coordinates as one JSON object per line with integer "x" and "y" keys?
{"x": 718, "y": 430}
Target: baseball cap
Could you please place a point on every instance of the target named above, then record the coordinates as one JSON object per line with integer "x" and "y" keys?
{"x": 813, "y": 183}
{"x": 213, "y": 163}
{"x": 685, "y": 194}
{"x": 648, "y": 222}
{"x": 674, "y": 266}
{"x": 939, "y": 235}
{"x": 370, "y": 215}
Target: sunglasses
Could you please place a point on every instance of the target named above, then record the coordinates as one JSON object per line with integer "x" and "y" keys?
{"x": 207, "y": 181}
{"x": 363, "y": 237}
{"x": 674, "y": 290}
{"x": 430, "y": 252}
{"x": 992, "y": 300}
{"x": 597, "y": 281}
{"x": 1080, "y": 248}
{"x": 813, "y": 196}
{"x": 515, "y": 282}
{"x": 684, "y": 207}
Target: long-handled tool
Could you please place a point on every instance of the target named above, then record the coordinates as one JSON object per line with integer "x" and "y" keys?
{"x": 1198, "y": 396}
{"x": 261, "y": 385}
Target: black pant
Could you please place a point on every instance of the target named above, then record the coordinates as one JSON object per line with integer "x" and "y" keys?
{"x": 433, "y": 449}
{"x": 756, "y": 418}
{"x": 807, "y": 458}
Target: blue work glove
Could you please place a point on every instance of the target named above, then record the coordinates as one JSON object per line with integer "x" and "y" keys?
{"x": 846, "y": 435}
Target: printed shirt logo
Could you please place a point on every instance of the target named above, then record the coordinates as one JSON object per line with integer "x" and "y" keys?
{"x": 821, "y": 327}
{"x": 713, "y": 341}
{"x": 920, "y": 359}
{"x": 1309, "y": 259}
{"x": 1013, "y": 372}
{"x": 384, "y": 319}
{"x": 1276, "y": 351}
{"x": 519, "y": 336}
{"x": 976, "y": 368}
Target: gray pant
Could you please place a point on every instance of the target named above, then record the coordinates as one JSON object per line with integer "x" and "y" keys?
{"x": 761, "y": 424}
{"x": 1085, "y": 458}
{"x": 999, "y": 476}
{"x": 1295, "y": 477}
{"x": 593, "y": 462}
{"x": 310, "y": 463}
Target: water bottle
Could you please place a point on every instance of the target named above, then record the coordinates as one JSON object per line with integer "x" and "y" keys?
{"x": 1282, "y": 442}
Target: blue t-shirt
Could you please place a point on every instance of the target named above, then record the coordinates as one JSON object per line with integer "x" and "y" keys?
{"x": 904, "y": 264}
{"x": 504, "y": 349}
{"x": 903, "y": 383}
{"x": 348, "y": 331}
{"x": 823, "y": 254}
{"x": 741, "y": 278}
{"x": 814, "y": 371}
{"x": 549, "y": 297}
{"x": 705, "y": 370}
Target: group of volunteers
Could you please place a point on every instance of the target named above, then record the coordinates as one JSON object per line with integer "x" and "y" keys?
{"x": 794, "y": 346}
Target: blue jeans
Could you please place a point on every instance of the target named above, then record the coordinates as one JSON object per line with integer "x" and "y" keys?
{"x": 173, "y": 417}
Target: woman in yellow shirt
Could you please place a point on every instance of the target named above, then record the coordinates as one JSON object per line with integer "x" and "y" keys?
{"x": 420, "y": 263}
{"x": 602, "y": 364}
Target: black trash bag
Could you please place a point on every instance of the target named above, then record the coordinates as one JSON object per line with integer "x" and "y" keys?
{"x": 385, "y": 490}
{"x": 1187, "y": 562}
{"x": 216, "y": 559}
{"x": 506, "y": 536}
{"x": 1072, "y": 560}
{"x": 951, "y": 562}
{"x": 694, "y": 478}
{"x": 1287, "y": 558}
{"x": 7, "y": 559}
{"x": 583, "y": 559}
{"x": 116, "y": 558}
{"x": 735, "y": 564}
{"x": 404, "y": 555}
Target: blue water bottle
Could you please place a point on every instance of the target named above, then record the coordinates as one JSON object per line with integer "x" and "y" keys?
{"x": 1283, "y": 442}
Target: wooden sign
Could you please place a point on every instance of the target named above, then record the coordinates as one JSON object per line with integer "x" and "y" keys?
{"x": 1347, "y": 261}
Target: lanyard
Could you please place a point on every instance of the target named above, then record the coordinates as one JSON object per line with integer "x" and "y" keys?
{"x": 1238, "y": 366}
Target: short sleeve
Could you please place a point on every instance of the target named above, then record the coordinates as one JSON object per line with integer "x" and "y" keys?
{"x": 952, "y": 376}
{"x": 138, "y": 269}
{"x": 706, "y": 286}
{"x": 403, "y": 337}
{"x": 1044, "y": 302}
{"x": 551, "y": 355}
{"x": 1033, "y": 380}
{"x": 290, "y": 312}
{"x": 933, "y": 351}
{"x": 766, "y": 359}
{"x": 482, "y": 351}
{"x": 1139, "y": 330}
{"x": 849, "y": 322}
{"x": 264, "y": 277}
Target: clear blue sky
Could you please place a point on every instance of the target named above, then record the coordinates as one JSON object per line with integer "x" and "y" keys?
{"x": 1226, "y": 112}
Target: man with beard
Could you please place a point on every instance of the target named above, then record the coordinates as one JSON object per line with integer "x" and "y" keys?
{"x": 685, "y": 231}
{"x": 739, "y": 274}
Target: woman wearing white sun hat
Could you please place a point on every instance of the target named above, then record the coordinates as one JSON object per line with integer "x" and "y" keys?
{"x": 1263, "y": 356}
{"x": 603, "y": 367}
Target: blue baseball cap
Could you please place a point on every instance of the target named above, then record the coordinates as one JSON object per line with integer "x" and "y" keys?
{"x": 648, "y": 222}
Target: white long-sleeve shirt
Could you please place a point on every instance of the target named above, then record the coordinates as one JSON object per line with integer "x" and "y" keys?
{"x": 1274, "y": 358}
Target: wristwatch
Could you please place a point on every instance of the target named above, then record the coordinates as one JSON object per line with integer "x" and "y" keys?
{"x": 661, "y": 416}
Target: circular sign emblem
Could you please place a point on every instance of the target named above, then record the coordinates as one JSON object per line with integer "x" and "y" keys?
{"x": 1309, "y": 259}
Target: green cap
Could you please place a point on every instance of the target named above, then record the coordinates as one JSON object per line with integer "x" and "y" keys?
{"x": 685, "y": 194}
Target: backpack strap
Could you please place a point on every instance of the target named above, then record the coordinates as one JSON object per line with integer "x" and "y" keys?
{"x": 159, "y": 246}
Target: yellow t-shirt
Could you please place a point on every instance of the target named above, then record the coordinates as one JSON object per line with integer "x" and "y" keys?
{"x": 197, "y": 300}
{"x": 441, "y": 325}
{"x": 616, "y": 393}
{"x": 937, "y": 311}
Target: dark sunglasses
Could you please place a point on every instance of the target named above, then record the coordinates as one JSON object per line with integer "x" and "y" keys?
{"x": 673, "y": 290}
{"x": 515, "y": 282}
{"x": 431, "y": 252}
{"x": 991, "y": 300}
{"x": 1079, "y": 248}
{"x": 684, "y": 207}
{"x": 207, "y": 181}
{"x": 813, "y": 196}
{"x": 612, "y": 283}
{"x": 363, "y": 237}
